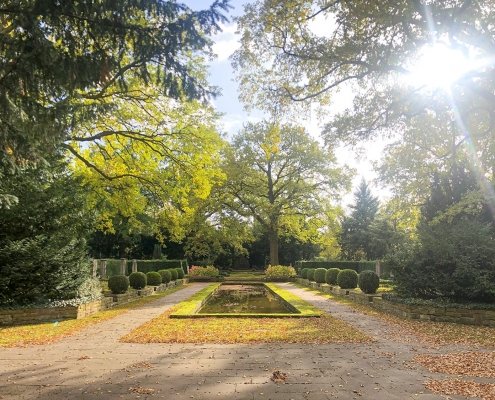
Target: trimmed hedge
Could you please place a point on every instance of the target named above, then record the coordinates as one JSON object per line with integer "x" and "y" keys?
{"x": 113, "y": 265}
{"x": 118, "y": 284}
{"x": 180, "y": 273}
{"x": 304, "y": 273}
{"x": 331, "y": 276}
{"x": 311, "y": 274}
{"x": 347, "y": 279}
{"x": 174, "y": 274}
{"x": 368, "y": 282}
{"x": 357, "y": 266}
{"x": 320, "y": 275}
{"x": 166, "y": 275}
{"x": 137, "y": 280}
{"x": 153, "y": 278}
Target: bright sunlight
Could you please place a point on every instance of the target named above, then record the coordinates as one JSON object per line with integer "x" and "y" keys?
{"x": 439, "y": 66}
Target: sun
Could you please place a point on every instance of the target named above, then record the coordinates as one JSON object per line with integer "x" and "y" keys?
{"x": 439, "y": 66}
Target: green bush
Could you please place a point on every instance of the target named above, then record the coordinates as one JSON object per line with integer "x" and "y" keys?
{"x": 331, "y": 276}
{"x": 304, "y": 273}
{"x": 347, "y": 279}
{"x": 311, "y": 274}
{"x": 174, "y": 274}
{"x": 358, "y": 266}
{"x": 118, "y": 284}
{"x": 279, "y": 273}
{"x": 166, "y": 275}
{"x": 320, "y": 275}
{"x": 153, "y": 278}
{"x": 368, "y": 282}
{"x": 180, "y": 273}
{"x": 208, "y": 271}
{"x": 137, "y": 280}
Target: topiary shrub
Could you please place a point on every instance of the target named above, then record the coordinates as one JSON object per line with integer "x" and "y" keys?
{"x": 166, "y": 275}
{"x": 174, "y": 274}
{"x": 180, "y": 273}
{"x": 279, "y": 273}
{"x": 311, "y": 274}
{"x": 331, "y": 276}
{"x": 304, "y": 273}
{"x": 118, "y": 284}
{"x": 320, "y": 275}
{"x": 137, "y": 280}
{"x": 368, "y": 282}
{"x": 153, "y": 278}
{"x": 347, "y": 279}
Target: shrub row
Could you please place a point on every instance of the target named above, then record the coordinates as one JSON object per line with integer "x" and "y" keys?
{"x": 119, "y": 284}
{"x": 357, "y": 266}
{"x": 368, "y": 281}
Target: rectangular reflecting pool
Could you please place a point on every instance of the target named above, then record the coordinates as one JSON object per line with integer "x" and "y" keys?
{"x": 245, "y": 299}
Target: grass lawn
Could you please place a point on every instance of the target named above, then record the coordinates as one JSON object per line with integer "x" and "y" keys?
{"x": 24, "y": 335}
{"x": 430, "y": 332}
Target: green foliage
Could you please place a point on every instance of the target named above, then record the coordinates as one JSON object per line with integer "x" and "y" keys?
{"x": 358, "y": 266}
{"x": 173, "y": 273}
{"x": 180, "y": 273}
{"x": 320, "y": 275}
{"x": 153, "y": 278}
{"x": 355, "y": 237}
{"x": 208, "y": 271}
{"x": 304, "y": 273}
{"x": 368, "y": 282}
{"x": 43, "y": 254}
{"x": 69, "y": 54}
{"x": 279, "y": 273}
{"x": 166, "y": 275}
{"x": 118, "y": 284}
{"x": 137, "y": 280}
{"x": 347, "y": 279}
{"x": 311, "y": 274}
{"x": 278, "y": 174}
{"x": 331, "y": 276}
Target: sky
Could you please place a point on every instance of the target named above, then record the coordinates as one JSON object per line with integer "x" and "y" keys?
{"x": 234, "y": 114}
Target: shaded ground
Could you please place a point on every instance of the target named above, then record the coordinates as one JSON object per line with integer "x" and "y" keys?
{"x": 94, "y": 365}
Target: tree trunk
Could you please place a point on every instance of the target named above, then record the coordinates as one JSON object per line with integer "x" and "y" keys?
{"x": 273, "y": 239}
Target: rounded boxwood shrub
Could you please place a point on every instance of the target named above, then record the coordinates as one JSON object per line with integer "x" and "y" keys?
{"x": 153, "y": 278}
{"x": 180, "y": 273}
{"x": 368, "y": 282}
{"x": 320, "y": 275}
{"x": 331, "y": 276}
{"x": 304, "y": 273}
{"x": 118, "y": 284}
{"x": 347, "y": 279}
{"x": 174, "y": 274}
{"x": 311, "y": 274}
{"x": 137, "y": 280}
{"x": 166, "y": 275}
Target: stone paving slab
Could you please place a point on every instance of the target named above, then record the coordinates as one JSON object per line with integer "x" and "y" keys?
{"x": 95, "y": 365}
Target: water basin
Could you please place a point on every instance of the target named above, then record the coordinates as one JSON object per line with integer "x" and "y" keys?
{"x": 245, "y": 299}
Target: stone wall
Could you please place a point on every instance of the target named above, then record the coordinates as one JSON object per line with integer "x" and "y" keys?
{"x": 52, "y": 314}
{"x": 424, "y": 313}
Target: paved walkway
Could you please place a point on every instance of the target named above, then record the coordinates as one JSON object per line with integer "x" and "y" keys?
{"x": 95, "y": 365}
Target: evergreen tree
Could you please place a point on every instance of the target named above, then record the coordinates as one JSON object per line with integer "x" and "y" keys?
{"x": 355, "y": 237}
{"x": 43, "y": 238}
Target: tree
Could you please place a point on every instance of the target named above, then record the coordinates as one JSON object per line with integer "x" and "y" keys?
{"x": 60, "y": 59}
{"x": 355, "y": 237}
{"x": 277, "y": 175}
{"x": 43, "y": 238}
{"x": 285, "y": 61}
{"x": 454, "y": 256}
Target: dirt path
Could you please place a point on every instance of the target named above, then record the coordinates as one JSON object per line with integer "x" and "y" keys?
{"x": 95, "y": 365}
